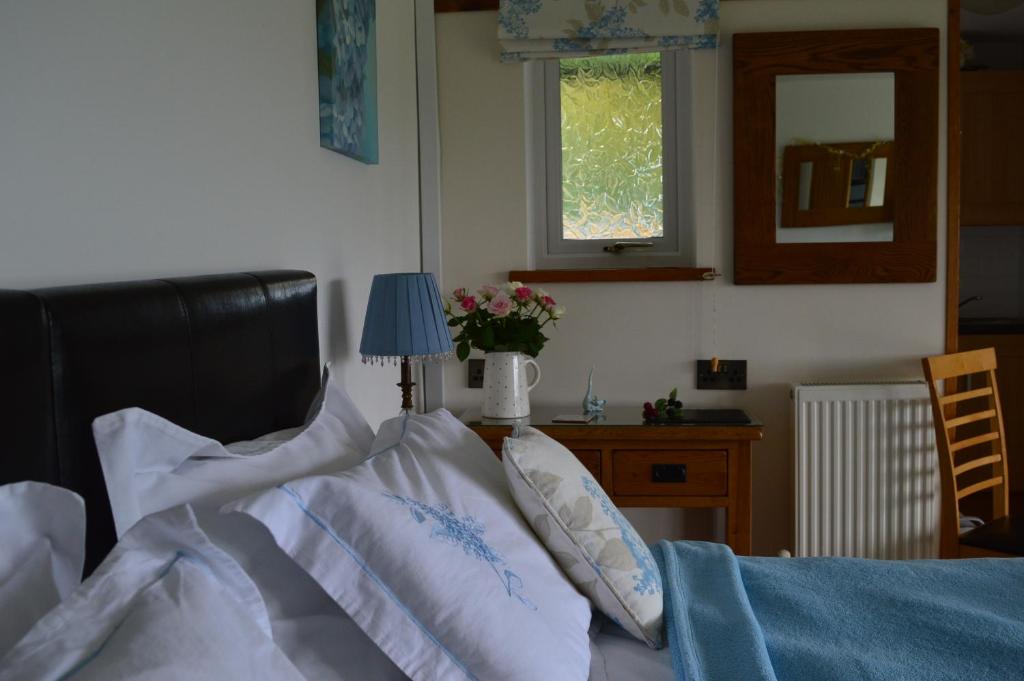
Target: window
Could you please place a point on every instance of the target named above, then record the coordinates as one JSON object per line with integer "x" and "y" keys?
{"x": 609, "y": 187}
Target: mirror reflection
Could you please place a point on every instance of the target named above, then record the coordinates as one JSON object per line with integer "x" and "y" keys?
{"x": 835, "y": 141}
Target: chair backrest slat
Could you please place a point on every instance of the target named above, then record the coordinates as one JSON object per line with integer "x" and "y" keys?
{"x": 977, "y": 463}
{"x": 979, "y": 487}
{"x": 966, "y": 395}
{"x": 973, "y": 441}
{"x": 988, "y": 414}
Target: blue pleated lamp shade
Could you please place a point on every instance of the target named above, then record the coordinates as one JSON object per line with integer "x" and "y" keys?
{"x": 405, "y": 318}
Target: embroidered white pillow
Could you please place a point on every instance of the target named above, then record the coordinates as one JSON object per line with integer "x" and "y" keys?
{"x": 589, "y": 537}
{"x": 425, "y": 549}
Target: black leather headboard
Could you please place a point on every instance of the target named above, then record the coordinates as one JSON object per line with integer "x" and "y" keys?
{"x": 229, "y": 356}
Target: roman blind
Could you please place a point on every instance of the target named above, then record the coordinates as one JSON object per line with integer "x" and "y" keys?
{"x": 543, "y": 29}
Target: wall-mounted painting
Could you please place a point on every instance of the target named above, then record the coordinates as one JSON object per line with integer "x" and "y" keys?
{"x": 346, "y": 35}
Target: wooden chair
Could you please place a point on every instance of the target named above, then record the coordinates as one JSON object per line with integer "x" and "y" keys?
{"x": 979, "y": 456}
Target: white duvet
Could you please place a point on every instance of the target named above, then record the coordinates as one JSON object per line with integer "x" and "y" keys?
{"x": 166, "y": 604}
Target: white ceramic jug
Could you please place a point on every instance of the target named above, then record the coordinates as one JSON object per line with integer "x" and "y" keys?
{"x": 506, "y": 391}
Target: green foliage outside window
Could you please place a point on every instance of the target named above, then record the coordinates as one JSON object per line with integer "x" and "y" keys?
{"x": 612, "y": 147}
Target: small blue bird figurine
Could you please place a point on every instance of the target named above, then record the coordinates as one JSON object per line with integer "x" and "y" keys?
{"x": 591, "y": 403}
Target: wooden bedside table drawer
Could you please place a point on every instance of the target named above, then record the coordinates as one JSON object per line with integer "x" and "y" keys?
{"x": 591, "y": 460}
{"x": 669, "y": 472}
{"x": 643, "y": 467}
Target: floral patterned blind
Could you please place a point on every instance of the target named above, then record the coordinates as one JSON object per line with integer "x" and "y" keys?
{"x": 542, "y": 29}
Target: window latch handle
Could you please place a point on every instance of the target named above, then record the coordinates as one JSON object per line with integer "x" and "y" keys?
{"x": 620, "y": 246}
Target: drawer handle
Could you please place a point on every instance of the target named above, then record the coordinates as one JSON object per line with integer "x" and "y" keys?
{"x": 668, "y": 472}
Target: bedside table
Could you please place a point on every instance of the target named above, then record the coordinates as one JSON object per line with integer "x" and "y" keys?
{"x": 704, "y": 463}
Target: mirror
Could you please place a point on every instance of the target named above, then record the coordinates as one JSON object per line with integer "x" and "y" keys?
{"x": 836, "y": 137}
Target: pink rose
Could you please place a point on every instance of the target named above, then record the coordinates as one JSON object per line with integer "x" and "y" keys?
{"x": 488, "y": 292}
{"x": 548, "y": 301}
{"x": 459, "y": 294}
{"x": 523, "y": 293}
{"x": 468, "y": 303}
{"x": 500, "y": 306}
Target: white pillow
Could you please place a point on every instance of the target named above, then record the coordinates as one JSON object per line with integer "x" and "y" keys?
{"x": 424, "y": 548}
{"x": 42, "y": 549}
{"x": 589, "y": 537}
{"x": 151, "y": 464}
{"x": 164, "y": 605}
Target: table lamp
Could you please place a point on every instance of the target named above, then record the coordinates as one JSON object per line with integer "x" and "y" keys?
{"x": 405, "y": 321}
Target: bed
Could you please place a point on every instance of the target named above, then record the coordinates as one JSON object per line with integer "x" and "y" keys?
{"x": 231, "y": 357}
{"x": 482, "y": 593}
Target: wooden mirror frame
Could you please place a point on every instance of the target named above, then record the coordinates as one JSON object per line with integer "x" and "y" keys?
{"x": 758, "y": 58}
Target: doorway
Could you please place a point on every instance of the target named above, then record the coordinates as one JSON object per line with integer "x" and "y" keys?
{"x": 985, "y": 289}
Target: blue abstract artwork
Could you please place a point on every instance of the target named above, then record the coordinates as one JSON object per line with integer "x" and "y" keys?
{"x": 346, "y": 33}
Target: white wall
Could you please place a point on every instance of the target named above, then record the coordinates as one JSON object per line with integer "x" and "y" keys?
{"x": 141, "y": 138}
{"x": 644, "y": 338}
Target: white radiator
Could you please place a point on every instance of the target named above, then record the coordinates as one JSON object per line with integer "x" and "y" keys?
{"x": 867, "y": 480}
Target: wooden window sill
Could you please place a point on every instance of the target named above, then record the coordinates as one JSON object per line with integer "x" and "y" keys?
{"x": 609, "y": 275}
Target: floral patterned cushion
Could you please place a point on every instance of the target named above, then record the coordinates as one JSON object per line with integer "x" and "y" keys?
{"x": 589, "y": 537}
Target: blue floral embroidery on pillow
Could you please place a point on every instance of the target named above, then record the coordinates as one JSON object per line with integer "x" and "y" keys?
{"x": 648, "y": 582}
{"x": 468, "y": 533}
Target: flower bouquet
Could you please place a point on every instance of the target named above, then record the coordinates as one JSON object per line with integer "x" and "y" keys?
{"x": 506, "y": 318}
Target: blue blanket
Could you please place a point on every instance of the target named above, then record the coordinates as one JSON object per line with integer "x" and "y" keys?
{"x": 839, "y": 619}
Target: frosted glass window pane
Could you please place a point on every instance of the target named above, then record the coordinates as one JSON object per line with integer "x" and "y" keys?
{"x": 612, "y": 147}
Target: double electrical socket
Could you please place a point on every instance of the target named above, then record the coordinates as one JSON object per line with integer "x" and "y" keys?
{"x": 731, "y": 375}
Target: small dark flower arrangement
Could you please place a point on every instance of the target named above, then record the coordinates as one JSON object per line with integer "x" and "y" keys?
{"x": 664, "y": 410}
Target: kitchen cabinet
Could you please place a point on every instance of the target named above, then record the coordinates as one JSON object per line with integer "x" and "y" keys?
{"x": 993, "y": 148}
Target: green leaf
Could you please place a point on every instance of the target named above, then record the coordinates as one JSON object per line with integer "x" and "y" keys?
{"x": 660, "y": 404}
{"x": 673, "y": 395}
{"x": 454, "y": 321}
{"x": 462, "y": 351}
{"x": 487, "y": 337}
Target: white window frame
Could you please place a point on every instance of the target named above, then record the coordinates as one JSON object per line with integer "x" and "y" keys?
{"x": 548, "y": 248}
